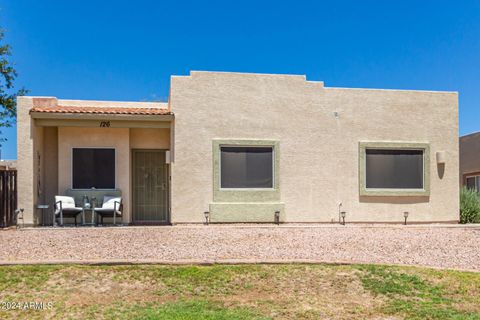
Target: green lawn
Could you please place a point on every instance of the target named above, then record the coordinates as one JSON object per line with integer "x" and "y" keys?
{"x": 290, "y": 291}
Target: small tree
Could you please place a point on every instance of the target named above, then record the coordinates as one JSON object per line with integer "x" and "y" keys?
{"x": 8, "y": 95}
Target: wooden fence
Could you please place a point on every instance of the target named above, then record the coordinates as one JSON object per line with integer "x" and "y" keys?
{"x": 8, "y": 197}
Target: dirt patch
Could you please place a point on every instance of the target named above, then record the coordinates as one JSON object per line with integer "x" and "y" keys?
{"x": 93, "y": 286}
{"x": 306, "y": 292}
{"x": 277, "y": 291}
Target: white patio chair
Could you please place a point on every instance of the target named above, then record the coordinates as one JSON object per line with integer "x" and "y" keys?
{"x": 111, "y": 207}
{"x": 65, "y": 208}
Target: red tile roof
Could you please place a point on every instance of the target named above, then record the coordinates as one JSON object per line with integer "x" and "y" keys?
{"x": 102, "y": 110}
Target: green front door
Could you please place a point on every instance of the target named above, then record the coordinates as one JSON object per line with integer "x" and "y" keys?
{"x": 150, "y": 187}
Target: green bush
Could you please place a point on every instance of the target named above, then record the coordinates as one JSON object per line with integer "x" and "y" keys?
{"x": 469, "y": 206}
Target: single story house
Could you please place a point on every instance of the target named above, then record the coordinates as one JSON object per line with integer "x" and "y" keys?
{"x": 470, "y": 161}
{"x": 246, "y": 148}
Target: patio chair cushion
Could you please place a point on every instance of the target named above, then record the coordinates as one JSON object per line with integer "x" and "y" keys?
{"x": 107, "y": 211}
{"x": 70, "y": 211}
{"x": 67, "y": 203}
{"x": 109, "y": 202}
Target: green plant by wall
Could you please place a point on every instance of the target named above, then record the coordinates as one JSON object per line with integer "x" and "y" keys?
{"x": 469, "y": 206}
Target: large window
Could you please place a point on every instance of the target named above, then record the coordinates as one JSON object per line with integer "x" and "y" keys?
{"x": 246, "y": 167}
{"x": 473, "y": 182}
{"x": 394, "y": 169}
{"x": 93, "y": 168}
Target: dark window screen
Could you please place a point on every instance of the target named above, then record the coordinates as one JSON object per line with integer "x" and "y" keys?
{"x": 93, "y": 168}
{"x": 246, "y": 167}
{"x": 395, "y": 169}
{"x": 473, "y": 183}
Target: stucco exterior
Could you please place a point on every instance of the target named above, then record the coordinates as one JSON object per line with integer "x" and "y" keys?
{"x": 319, "y": 130}
{"x": 26, "y": 177}
{"x": 117, "y": 138}
{"x": 469, "y": 156}
{"x": 45, "y": 149}
{"x": 317, "y": 133}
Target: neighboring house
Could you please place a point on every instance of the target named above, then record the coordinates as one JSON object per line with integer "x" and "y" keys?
{"x": 470, "y": 161}
{"x": 243, "y": 146}
{"x": 8, "y": 164}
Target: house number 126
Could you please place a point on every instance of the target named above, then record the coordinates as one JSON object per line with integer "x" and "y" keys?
{"x": 105, "y": 124}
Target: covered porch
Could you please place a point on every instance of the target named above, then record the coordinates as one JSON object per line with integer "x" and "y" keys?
{"x": 93, "y": 151}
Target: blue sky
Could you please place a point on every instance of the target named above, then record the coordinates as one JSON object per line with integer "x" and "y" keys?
{"x": 126, "y": 50}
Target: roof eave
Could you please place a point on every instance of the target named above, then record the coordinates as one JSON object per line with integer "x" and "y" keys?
{"x": 100, "y": 116}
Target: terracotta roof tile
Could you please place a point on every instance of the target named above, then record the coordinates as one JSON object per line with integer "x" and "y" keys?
{"x": 102, "y": 110}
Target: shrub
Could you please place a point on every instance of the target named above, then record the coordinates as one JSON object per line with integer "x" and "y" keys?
{"x": 469, "y": 206}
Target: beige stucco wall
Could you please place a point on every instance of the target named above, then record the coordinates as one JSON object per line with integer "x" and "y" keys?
{"x": 149, "y": 138}
{"x": 51, "y": 170}
{"x": 469, "y": 155}
{"x": 319, "y": 130}
{"x": 118, "y": 138}
{"x": 29, "y": 146}
{"x": 122, "y": 139}
{"x": 44, "y": 153}
{"x": 39, "y": 172}
{"x": 24, "y": 157}
{"x": 37, "y": 160}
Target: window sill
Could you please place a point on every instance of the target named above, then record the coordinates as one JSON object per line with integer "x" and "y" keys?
{"x": 395, "y": 192}
{"x": 247, "y": 189}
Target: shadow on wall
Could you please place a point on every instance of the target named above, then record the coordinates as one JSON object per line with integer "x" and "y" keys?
{"x": 441, "y": 170}
{"x": 394, "y": 200}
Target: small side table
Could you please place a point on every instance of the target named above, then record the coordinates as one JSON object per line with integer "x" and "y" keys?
{"x": 92, "y": 210}
{"x": 43, "y": 207}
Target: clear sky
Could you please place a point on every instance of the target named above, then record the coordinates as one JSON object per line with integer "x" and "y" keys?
{"x": 126, "y": 50}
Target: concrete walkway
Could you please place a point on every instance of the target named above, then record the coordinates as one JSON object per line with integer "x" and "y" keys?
{"x": 438, "y": 246}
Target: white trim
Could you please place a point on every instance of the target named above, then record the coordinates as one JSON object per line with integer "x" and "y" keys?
{"x": 71, "y": 167}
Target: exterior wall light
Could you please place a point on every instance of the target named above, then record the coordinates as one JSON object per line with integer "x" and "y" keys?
{"x": 440, "y": 157}
{"x": 343, "y": 214}
{"x": 207, "y": 217}
{"x": 405, "y": 215}
{"x": 277, "y": 217}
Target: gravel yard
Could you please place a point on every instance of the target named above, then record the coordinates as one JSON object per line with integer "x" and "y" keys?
{"x": 434, "y": 246}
